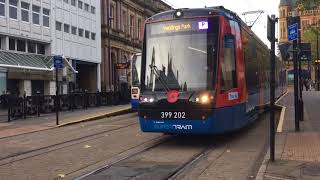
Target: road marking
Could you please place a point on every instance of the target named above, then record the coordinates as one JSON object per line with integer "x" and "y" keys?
{"x": 282, "y": 97}
{"x": 281, "y": 120}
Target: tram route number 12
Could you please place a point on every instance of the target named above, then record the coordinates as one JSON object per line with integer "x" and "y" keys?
{"x": 173, "y": 115}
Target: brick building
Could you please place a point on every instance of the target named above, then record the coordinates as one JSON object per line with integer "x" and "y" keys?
{"x": 126, "y": 22}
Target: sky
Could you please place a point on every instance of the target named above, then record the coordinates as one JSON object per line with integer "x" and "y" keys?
{"x": 238, "y": 6}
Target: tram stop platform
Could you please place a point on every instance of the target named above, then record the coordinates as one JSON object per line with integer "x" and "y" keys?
{"x": 48, "y": 121}
{"x": 297, "y": 154}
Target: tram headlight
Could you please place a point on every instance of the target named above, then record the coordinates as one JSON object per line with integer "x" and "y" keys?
{"x": 147, "y": 99}
{"x": 203, "y": 98}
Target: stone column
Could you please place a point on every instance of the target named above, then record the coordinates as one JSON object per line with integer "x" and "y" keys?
{"x": 98, "y": 77}
{"x": 50, "y": 88}
{"x": 25, "y": 86}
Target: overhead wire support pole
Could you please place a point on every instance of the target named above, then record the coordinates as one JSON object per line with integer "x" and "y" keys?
{"x": 271, "y": 37}
{"x": 259, "y": 12}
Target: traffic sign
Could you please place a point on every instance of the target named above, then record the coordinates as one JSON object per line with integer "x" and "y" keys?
{"x": 58, "y": 62}
{"x": 293, "y": 32}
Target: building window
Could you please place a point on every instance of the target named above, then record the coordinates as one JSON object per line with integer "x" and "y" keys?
{"x": 12, "y": 44}
{"x": 124, "y": 21}
{"x": 80, "y": 32}
{"x": 86, "y": 7}
{"x": 46, "y": 15}
{"x": 2, "y": 8}
{"x": 21, "y": 45}
{"x": 93, "y": 10}
{"x": 66, "y": 28}
{"x": 74, "y": 30}
{"x": 66, "y": 1}
{"x": 112, "y": 16}
{"x": 41, "y": 49}
{"x": 58, "y": 26}
{"x": 31, "y": 47}
{"x": 93, "y": 36}
{"x": 131, "y": 25}
{"x": 25, "y": 11}
{"x": 80, "y": 4}
{"x": 13, "y": 10}
{"x": 36, "y": 14}
{"x": 87, "y": 34}
{"x": 139, "y": 29}
{"x": 73, "y": 2}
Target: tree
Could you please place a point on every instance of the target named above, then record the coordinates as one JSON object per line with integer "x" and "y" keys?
{"x": 308, "y": 4}
{"x": 310, "y": 35}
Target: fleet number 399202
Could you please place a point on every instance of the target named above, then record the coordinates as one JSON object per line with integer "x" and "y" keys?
{"x": 173, "y": 115}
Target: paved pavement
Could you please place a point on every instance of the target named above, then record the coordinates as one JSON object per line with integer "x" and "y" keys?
{"x": 297, "y": 153}
{"x": 48, "y": 121}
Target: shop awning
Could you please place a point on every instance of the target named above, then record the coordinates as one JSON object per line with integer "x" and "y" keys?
{"x": 25, "y": 61}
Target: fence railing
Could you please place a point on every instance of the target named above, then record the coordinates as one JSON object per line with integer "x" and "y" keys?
{"x": 21, "y": 107}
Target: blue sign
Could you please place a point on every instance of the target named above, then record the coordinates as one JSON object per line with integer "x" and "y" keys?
{"x": 293, "y": 32}
{"x": 58, "y": 62}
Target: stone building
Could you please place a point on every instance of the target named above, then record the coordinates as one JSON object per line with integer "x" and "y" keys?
{"x": 307, "y": 17}
{"x": 126, "y": 23}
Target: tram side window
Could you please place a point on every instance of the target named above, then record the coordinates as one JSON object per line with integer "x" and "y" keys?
{"x": 228, "y": 77}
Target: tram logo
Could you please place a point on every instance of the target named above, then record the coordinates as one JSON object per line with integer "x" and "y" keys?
{"x": 183, "y": 127}
{"x": 172, "y": 96}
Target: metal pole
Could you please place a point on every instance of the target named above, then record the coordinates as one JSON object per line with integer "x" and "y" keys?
{"x": 296, "y": 88}
{"x": 57, "y": 98}
{"x": 272, "y": 89}
{"x": 317, "y": 66}
{"x": 109, "y": 44}
{"x": 300, "y": 83}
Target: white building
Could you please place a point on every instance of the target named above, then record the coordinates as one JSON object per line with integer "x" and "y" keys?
{"x": 32, "y": 31}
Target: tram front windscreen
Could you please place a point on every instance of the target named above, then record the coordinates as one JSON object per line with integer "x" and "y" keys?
{"x": 180, "y": 55}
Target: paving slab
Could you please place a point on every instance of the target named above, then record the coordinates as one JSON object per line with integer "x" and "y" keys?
{"x": 48, "y": 121}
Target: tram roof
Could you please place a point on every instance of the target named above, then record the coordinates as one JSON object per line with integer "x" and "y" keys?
{"x": 196, "y": 12}
{"x": 203, "y": 12}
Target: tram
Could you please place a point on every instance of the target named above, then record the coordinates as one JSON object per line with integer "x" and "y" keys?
{"x": 135, "y": 80}
{"x": 203, "y": 71}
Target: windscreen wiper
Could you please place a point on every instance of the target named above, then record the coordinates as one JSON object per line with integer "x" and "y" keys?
{"x": 155, "y": 70}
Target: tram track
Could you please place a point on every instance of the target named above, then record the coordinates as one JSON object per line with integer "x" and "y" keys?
{"x": 53, "y": 147}
{"x": 122, "y": 156}
{"x": 173, "y": 172}
{"x": 176, "y": 174}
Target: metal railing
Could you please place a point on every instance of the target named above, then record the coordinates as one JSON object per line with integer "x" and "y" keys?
{"x": 21, "y": 107}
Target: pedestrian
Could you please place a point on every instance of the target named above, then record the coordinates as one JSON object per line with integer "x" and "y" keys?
{"x": 306, "y": 84}
{"x": 301, "y": 83}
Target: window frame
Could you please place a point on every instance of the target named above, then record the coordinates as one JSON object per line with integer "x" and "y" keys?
{"x": 80, "y": 4}
{"x": 60, "y": 25}
{"x": 86, "y": 7}
{"x": 12, "y": 6}
{"x": 44, "y": 16}
{"x": 73, "y": 3}
{"x": 66, "y": 28}
{"x": 25, "y": 10}
{"x": 93, "y": 36}
{"x": 80, "y": 32}
{"x": 223, "y": 62}
{"x": 93, "y": 10}
{"x": 36, "y": 13}
{"x": 87, "y": 34}
{"x": 4, "y": 8}
{"x": 72, "y": 30}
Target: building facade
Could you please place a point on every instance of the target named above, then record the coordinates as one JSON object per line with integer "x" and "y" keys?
{"x": 122, "y": 30}
{"x": 308, "y": 17}
{"x": 33, "y": 31}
